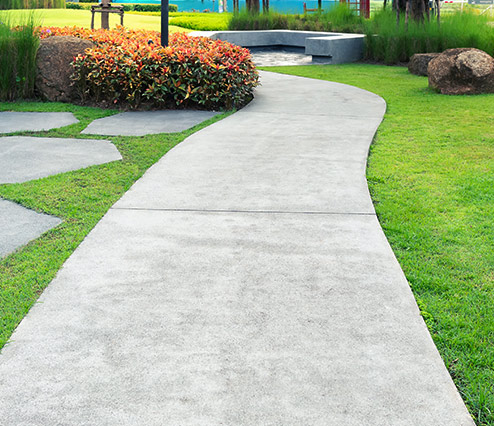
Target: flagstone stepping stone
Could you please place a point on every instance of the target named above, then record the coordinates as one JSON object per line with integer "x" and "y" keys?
{"x": 11, "y": 121}
{"x": 20, "y": 225}
{"x": 24, "y": 158}
{"x": 140, "y": 123}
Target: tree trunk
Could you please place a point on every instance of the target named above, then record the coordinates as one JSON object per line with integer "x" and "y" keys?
{"x": 252, "y": 6}
{"x": 414, "y": 9}
{"x": 407, "y": 13}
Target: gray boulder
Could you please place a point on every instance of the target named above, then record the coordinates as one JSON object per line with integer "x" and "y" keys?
{"x": 54, "y": 70}
{"x": 463, "y": 71}
{"x": 419, "y": 62}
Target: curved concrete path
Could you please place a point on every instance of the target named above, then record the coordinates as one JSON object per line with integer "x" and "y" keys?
{"x": 244, "y": 280}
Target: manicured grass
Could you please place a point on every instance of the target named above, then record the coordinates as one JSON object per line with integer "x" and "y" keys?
{"x": 82, "y": 18}
{"x": 201, "y": 21}
{"x": 80, "y": 198}
{"x": 431, "y": 176}
{"x": 195, "y": 21}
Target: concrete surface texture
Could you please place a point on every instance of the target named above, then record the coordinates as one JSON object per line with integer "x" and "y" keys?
{"x": 278, "y": 56}
{"x": 24, "y": 158}
{"x": 20, "y": 225}
{"x": 140, "y": 123}
{"x": 11, "y": 121}
{"x": 337, "y": 48}
{"x": 244, "y": 280}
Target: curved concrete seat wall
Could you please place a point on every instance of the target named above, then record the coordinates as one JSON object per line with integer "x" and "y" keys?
{"x": 339, "y": 47}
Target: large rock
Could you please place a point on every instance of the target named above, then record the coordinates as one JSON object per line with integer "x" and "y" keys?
{"x": 420, "y": 61}
{"x": 54, "y": 57}
{"x": 462, "y": 71}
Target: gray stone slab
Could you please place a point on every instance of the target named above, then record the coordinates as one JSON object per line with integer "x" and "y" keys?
{"x": 288, "y": 151}
{"x": 11, "y": 121}
{"x": 189, "y": 318}
{"x": 140, "y": 123}
{"x": 19, "y": 225}
{"x": 24, "y": 158}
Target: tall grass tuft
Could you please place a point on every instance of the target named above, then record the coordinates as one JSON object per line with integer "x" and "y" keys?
{"x": 32, "y": 4}
{"x": 18, "y": 47}
{"x": 391, "y": 43}
{"x": 339, "y": 18}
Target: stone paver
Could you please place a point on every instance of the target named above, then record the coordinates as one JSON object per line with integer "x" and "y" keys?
{"x": 228, "y": 288}
{"x": 24, "y": 158}
{"x": 11, "y": 121}
{"x": 20, "y": 225}
{"x": 140, "y": 123}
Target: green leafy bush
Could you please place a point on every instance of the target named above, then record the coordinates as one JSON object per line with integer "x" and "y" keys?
{"x": 18, "y": 47}
{"x": 150, "y": 7}
{"x": 128, "y": 7}
{"x": 130, "y": 67}
{"x": 71, "y": 5}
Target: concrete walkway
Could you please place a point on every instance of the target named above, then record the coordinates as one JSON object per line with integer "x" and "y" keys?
{"x": 244, "y": 280}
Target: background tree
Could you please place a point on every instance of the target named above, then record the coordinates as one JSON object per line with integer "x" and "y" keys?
{"x": 418, "y": 10}
{"x": 252, "y": 6}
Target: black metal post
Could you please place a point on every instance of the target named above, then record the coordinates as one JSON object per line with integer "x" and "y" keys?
{"x": 164, "y": 23}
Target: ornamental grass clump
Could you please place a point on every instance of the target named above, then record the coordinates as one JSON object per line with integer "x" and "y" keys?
{"x": 129, "y": 67}
{"x": 391, "y": 43}
{"x": 18, "y": 47}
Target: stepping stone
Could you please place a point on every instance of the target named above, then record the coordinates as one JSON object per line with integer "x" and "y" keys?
{"x": 24, "y": 158}
{"x": 11, "y": 121}
{"x": 20, "y": 225}
{"x": 140, "y": 123}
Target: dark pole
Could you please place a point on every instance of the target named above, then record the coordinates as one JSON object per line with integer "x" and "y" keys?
{"x": 164, "y": 22}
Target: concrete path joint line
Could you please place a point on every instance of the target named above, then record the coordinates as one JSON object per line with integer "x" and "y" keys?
{"x": 313, "y": 114}
{"x": 246, "y": 211}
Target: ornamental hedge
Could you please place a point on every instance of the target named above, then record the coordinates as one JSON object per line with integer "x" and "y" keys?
{"x": 130, "y": 67}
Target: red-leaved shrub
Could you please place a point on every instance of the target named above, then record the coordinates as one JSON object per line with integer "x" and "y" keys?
{"x": 130, "y": 67}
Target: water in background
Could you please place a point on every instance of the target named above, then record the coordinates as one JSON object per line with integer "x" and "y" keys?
{"x": 289, "y": 6}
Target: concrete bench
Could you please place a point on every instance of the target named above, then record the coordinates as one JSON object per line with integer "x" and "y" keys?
{"x": 340, "y": 47}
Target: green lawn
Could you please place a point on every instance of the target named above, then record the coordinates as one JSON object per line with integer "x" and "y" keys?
{"x": 82, "y": 18}
{"x": 431, "y": 176}
{"x": 80, "y": 198}
{"x": 201, "y": 21}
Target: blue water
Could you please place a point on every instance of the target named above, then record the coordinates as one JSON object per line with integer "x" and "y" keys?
{"x": 289, "y": 6}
